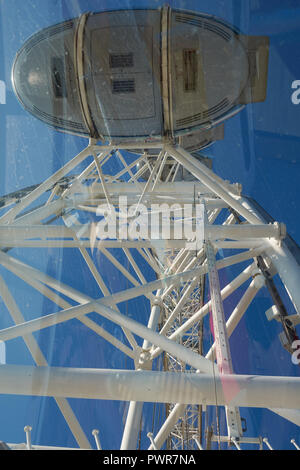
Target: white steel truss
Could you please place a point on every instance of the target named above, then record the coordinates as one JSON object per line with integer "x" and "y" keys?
{"x": 170, "y": 365}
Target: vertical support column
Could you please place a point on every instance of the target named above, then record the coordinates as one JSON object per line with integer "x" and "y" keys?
{"x": 134, "y": 414}
{"x": 131, "y": 429}
{"x": 221, "y": 339}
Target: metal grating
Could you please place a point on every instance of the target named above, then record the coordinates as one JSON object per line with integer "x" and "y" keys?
{"x": 121, "y": 60}
{"x": 123, "y": 86}
{"x": 47, "y": 33}
{"x": 57, "y": 121}
{"x": 205, "y": 114}
{"x": 200, "y": 23}
{"x": 190, "y": 69}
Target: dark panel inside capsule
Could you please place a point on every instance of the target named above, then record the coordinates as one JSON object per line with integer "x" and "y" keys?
{"x": 190, "y": 66}
{"x": 58, "y": 74}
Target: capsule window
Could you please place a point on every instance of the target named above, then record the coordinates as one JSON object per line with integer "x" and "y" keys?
{"x": 189, "y": 69}
{"x": 121, "y": 60}
{"x": 58, "y": 77}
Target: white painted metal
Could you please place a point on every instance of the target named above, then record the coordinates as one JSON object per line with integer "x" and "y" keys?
{"x": 33, "y": 195}
{"x": 291, "y": 415}
{"x": 40, "y": 360}
{"x": 235, "y": 442}
{"x": 175, "y": 313}
{"x": 199, "y": 171}
{"x": 168, "y": 425}
{"x": 22, "y": 446}
{"x": 265, "y": 440}
{"x": 222, "y": 348}
{"x": 295, "y": 444}
{"x": 151, "y": 386}
{"x": 283, "y": 261}
{"x": 238, "y": 312}
{"x": 27, "y": 430}
{"x": 198, "y": 443}
{"x": 288, "y": 269}
{"x": 150, "y": 435}
{"x": 134, "y": 415}
{"x": 95, "y": 433}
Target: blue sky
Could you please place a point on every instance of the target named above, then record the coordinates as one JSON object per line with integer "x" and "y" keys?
{"x": 260, "y": 150}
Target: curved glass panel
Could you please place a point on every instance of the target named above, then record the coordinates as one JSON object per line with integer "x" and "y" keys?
{"x": 44, "y": 78}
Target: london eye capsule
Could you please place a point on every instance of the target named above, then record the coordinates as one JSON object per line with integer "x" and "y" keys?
{"x": 139, "y": 73}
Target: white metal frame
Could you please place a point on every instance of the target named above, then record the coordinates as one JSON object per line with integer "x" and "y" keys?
{"x": 193, "y": 379}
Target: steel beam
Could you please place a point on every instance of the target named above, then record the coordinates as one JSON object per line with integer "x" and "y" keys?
{"x": 150, "y": 386}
